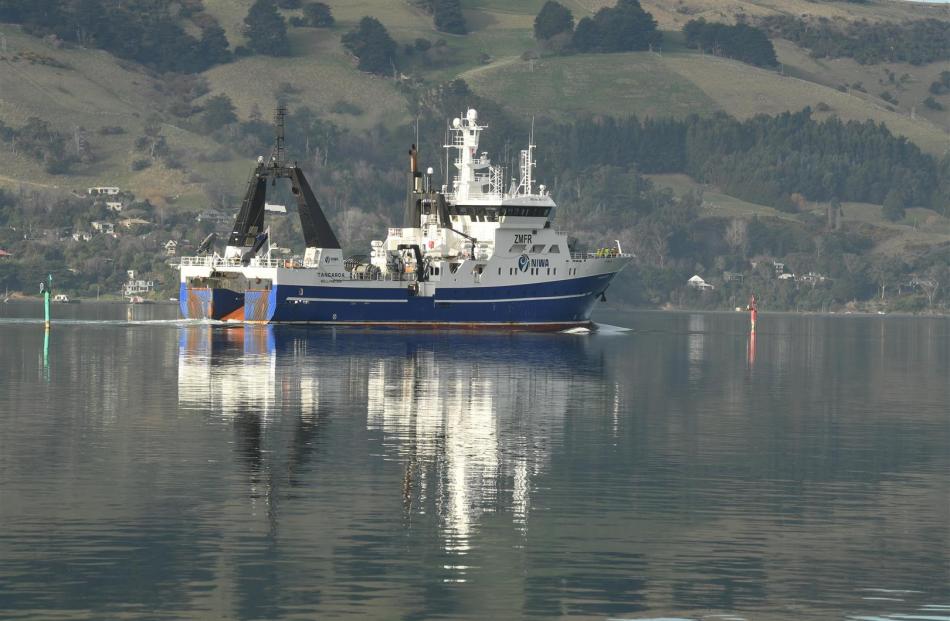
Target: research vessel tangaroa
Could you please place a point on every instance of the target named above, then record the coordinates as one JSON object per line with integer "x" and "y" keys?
{"x": 469, "y": 254}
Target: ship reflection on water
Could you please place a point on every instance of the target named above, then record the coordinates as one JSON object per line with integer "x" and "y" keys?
{"x": 301, "y": 473}
{"x": 469, "y": 419}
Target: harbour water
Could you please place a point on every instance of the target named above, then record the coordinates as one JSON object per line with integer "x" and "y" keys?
{"x": 157, "y": 469}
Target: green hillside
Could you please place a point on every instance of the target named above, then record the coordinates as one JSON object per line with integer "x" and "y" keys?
{"x": 91, "y": 89}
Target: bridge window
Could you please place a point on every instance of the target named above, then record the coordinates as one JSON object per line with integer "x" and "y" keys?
{"x": 516, "y": 248}
{"x": 554, "y": 249}
{"x": 537, "y": 248}
{"x": 530, "y": 212}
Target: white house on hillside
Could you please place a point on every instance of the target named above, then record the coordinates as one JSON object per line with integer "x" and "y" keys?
{"x": 698, "y": 283}
{"x": 107, "y": 190}
{"x": 137, "y": 286}
{"x": 108, "y": 228}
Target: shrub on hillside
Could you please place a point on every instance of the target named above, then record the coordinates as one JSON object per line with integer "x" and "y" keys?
{"x": 447, "y": 15}
{"x": 893, "y": 208}
{"x": 318, "y": 14}
{"x": 553, "y": 19}
{"x": 218, "y": 112}
{"x": 941, "y": 85}
{"x": 623, "y": 28}
{"x": 144, "y": 31}
{"x": 741, "y": 42}
{"x": 38, "y": 140}
{"x": 373, "y": 47}
{"x": 266, "y": 29}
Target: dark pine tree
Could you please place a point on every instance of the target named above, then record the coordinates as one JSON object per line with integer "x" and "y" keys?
{"x": 894, "y": 205}
{"x": 586, "y": 38}
{"x": 553, "y": 19}
{"x": 213, "y": 46}
{"x": 372, "y": 46}
{"x": 626, "y": 27}
{"x": 623, "y": 28}
{"x": 218, "y": 112}
{"x": 447, "y": 15}
{"x": 266, "y": 29}
{"x": 318, "y": 14}
{"x": 742, "y": 42}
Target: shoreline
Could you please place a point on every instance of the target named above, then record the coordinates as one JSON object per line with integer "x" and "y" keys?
{"x": 38, "y": 300}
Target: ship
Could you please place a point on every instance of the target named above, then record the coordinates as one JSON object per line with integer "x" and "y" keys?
{"x": 470, "y": 254}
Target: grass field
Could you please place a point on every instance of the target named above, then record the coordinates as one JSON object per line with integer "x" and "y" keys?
{"x": 674, "y": 14}
{"x": 618, "y": 84}
{"x": 90, "y": 90}
{"x": 328, "y": 76}
{"x": 678, "y": 83}
{"x": 715, "y": 203}
{"x": 745, "y": 91}
{"x": 909, "y": 85}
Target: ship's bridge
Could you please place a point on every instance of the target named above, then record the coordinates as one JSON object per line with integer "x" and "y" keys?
{"x": 477, "y": 197}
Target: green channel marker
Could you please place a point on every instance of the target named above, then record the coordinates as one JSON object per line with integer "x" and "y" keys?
{"x": 46, "y": 354}
{"x": 47, "y": 291}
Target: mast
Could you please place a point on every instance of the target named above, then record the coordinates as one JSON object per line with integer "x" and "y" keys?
{"x": 464, "y": 136}
{"x": 249, "y": 225}
{"x": 277, "y": 156}
{"x": 527, "y": 165}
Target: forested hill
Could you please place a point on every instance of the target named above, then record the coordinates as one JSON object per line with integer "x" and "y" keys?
{"x": 713, "y": 138}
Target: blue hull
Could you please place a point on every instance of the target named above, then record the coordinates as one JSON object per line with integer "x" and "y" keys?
{"x": 208, "y": 303}
{"x": 565, "y": 302}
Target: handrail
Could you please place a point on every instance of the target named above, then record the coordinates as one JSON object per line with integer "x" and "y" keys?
{"x": 218, "y": 262}
{"x": 612, "y": 254}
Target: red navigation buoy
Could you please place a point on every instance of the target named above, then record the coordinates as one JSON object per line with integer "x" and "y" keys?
{"x": 753, "y": 313}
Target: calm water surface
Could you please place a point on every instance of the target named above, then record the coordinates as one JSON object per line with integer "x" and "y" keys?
{"x": 156, "y": 469}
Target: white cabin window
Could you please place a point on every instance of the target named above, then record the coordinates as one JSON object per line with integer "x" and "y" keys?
{"x": 554, "y": 249}
{"x": 519, "y": 248}
{"x": 537, "y": 248}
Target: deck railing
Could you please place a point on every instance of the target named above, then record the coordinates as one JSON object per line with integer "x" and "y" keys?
{"x": 610, "y": 253}
{"x": 220, "y": 262}
{"x": 217, "y": 261}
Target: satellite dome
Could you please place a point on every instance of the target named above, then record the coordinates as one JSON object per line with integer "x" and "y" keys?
{"x": 471, "y": 115}
{"x": 456, "y": 122}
